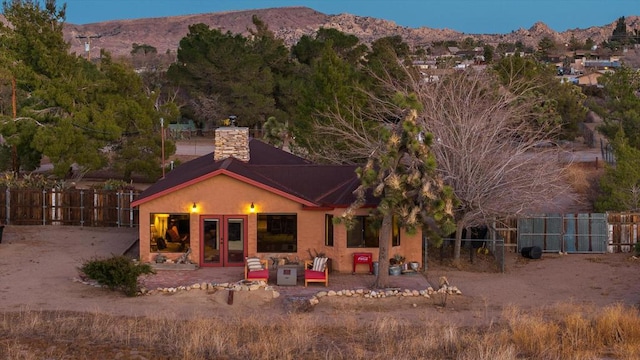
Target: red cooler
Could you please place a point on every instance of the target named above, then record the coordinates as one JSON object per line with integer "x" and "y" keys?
{"x": 363, "y": 258}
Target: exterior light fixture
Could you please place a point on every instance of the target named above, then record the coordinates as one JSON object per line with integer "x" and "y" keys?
{"x": 252, "y": 208}
{"x": 194, "y": 208}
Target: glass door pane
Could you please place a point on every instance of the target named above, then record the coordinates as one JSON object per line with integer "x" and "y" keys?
{"x": 211, "y": 243}
{"x": 235, "y": 240}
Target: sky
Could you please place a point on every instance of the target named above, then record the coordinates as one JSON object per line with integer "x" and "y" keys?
{"x": 468, "y": 16}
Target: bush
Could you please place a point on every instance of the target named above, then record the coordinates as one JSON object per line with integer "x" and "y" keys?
{"x": 117, "y": 273}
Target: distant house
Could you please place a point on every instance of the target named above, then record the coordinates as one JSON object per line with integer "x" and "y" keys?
{"x": 590, "y": 79}
{"x": 572, "y": 79}
{"x": 425, "y": 64}
{"x": 249, "y": 198}
{"x": 602, "y": 64}
{"x": 513, "y": 53}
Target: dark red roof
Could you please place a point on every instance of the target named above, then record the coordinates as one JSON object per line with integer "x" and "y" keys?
{"x": 314, "y": 185}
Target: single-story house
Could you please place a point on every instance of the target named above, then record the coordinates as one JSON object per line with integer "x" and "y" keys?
{"x": 248, "y": 198}
{"x": 591, "y": 78}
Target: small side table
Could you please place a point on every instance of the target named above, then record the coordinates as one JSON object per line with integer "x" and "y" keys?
{"x": 287, "y": 275}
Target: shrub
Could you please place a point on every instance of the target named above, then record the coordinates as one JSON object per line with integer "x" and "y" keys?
{"x": 116, "y": 272}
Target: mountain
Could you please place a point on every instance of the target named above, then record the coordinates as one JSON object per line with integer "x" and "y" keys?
{"x": 290, "y": 23}
{"x": 165, "y": 33}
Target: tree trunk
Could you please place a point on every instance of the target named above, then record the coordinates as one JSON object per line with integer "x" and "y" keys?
{"x": 382, "y": 281}
{"x": 458, "y": 243}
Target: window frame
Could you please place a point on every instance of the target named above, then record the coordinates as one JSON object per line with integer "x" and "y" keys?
{"x": 287, "y": 246}
{"x": 183, "y": 223}
{"x": 328, "y": 230}
{"x": 368, "y": 228}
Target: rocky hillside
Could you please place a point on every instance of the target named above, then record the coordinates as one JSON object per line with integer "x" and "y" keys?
{"x": 290, "y": 23}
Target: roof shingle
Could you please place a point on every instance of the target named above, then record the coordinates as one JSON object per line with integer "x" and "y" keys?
{"x": 314, "y": 184}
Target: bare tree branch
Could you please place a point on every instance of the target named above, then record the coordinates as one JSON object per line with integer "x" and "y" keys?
{"x": 486, "y": 146}
{"x": 353, "y": 127}
{"x": 488, "y": 151}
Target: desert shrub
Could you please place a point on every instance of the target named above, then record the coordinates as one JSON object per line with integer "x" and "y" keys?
{"x": 116, "y": 272}
{"x": 114, "y": 184}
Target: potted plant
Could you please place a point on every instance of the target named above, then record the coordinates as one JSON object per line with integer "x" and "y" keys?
{"x": 395, "y": 265}
{"x": 397, "y": 259}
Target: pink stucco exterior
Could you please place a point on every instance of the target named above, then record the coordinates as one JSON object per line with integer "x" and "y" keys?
{"x": 227, "y": 195}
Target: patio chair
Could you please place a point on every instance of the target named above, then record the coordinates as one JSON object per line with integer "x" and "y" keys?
{"x": 256, "y": 269}
{"x": 316, "y": 270}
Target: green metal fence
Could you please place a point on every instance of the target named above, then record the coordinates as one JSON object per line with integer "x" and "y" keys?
{"x": 568, "y": 233}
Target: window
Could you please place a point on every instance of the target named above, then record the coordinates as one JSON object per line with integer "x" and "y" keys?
{"x": 169, "y": 232}
{"x": 328, "y": 230}
{"x": 277, "y": 233}
{"x": 364, "y": 233}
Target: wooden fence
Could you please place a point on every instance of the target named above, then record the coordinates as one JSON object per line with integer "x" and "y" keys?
{"x": 96, "y": 208}
{"x": 623, "y": 231}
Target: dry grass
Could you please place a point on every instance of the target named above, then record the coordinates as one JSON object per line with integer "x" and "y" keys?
{"x": 566, "y": 331}
{"x": 579, "y": 175}
{"x": 584, "y": 178}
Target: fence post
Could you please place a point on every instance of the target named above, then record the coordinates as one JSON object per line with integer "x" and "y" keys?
{"x": 131, "y": 218}
{"x": 44, "y": 207}
{"x": 94, "y": 219}
{"x": 118, "y": 207}
{"x": 503, "y": 256}
{"x": 8, "y": 204}
{"x": 81, "y": 208}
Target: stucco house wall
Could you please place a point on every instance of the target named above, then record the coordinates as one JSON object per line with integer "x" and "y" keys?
{"x": 225, "y": 195}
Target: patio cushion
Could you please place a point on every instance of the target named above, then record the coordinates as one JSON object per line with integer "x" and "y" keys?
{"x": 258, "y": 274}
{"x": 314, "y": 275}
{"x": 254, "y": 264}
{"x": 319, "y": 263}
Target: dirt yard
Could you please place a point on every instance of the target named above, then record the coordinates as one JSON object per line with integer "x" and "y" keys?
{"x": 38, "y": 266}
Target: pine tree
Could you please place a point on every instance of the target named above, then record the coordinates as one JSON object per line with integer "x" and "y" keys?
{"x": 401, "y": 172}
{"x": 69, "y": 109}
{"x": 620, "y": 185}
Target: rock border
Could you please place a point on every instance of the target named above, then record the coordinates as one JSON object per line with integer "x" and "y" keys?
{"x": 385, "y": 293}
{"x": 246, "y": 285}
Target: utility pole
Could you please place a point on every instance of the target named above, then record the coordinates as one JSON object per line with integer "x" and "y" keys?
{"x": 87, "y": 44}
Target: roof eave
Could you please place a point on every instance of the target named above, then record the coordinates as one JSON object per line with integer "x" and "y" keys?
{"x": 231, "y": 174}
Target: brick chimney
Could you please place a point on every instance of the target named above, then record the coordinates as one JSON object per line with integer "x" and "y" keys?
{"x": 231, "y": 141}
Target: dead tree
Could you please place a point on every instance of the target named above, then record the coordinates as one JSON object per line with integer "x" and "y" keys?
{"x": 488, "y": 149}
